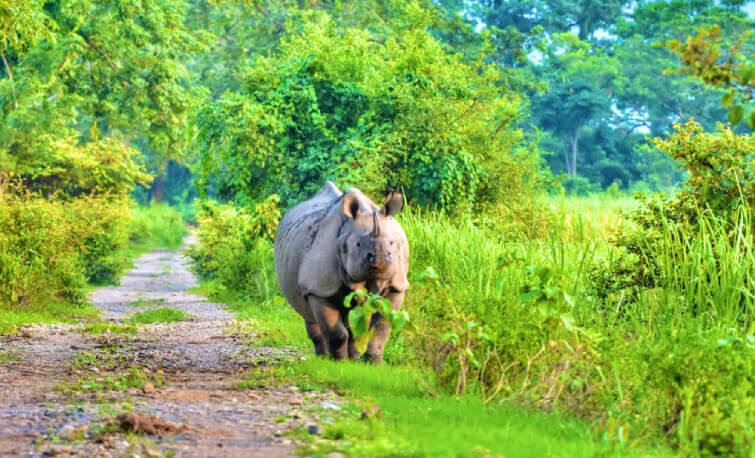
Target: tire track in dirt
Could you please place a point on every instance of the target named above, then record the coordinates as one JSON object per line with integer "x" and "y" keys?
{"x": 193, "y": 367}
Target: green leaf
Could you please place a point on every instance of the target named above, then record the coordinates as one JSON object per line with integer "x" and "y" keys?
{"x": 429, "y": 274}
{"x": 359, "y": 321}
{"x": 736, "y": 113}
{"x": 728, "y": 99}
{"x": 528, "y": 297}
{"x": 751, "y": 120}
{"x": 747, "y": 73}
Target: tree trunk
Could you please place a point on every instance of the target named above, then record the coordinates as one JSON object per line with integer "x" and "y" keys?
{"x": 574, "y": 140}
{"x": 3, "y": 181}
{"x": 157, "y": 189}
{"x": 572, "y": 154}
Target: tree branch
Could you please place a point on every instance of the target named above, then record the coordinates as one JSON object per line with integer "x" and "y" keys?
{"x": 10, "y": 76}
{"x": 100, "y": 52}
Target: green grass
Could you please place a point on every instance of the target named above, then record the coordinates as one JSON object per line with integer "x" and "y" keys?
{"x": 161, "y": 315}
{"x": 11, "y": 319}
{"x": 272, "y": 322}
{"x": 414, "y": 420}
{"x": 147, "y": 302}
{"x": 133, "y": 377}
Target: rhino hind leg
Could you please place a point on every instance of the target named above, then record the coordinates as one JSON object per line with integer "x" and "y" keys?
{"x": 332, "y": 328}
{"x": 313, "y": 331}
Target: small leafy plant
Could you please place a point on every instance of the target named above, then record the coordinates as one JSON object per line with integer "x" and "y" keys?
{"x": 363, "y": 306}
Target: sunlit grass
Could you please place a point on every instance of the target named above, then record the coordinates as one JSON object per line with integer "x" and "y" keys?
{"x": 161, "y": 315}
{"x": 13, "y": 318}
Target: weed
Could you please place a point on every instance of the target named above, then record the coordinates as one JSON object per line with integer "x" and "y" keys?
{"x": 102, "y": 327}
{"x": 161, "y": 315}
{"x": 9, "y": 357}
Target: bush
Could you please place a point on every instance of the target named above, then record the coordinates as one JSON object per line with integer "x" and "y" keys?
{"x": 102, "y": 232}
{"x": 51, "y": 249}
{"x": 39, "y": 253}
{"x": 235, "y": 247}
{"x": 157, "y": 226}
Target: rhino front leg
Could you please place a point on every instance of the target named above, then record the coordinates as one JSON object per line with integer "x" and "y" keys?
{"x": 333, "y": 331}
{"x": 375, "y": 347}
{"x": 374, "y": 351}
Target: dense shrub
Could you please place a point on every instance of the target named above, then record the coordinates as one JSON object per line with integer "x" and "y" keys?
{"x": 39, "y": 255}
{"x": 235, "y": 247}
{"x": 156, "y": 226}
{"x": 102, "y": 234}
{"x": 361, "y": 109}
{"x": 521, "y": 321}
{"x": 51, "y": 249}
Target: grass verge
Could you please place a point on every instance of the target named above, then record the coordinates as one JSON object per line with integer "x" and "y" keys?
{"x": 161, "y": 315}
{"x": 12, "y": 319}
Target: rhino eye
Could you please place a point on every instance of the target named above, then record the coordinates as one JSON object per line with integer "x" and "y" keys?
{"x": 358, "y": 244}
{"x": 391, "y": 242}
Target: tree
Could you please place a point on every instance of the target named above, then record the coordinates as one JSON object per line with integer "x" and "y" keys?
{"x": 385, "y": 112}
{"x": 80, "y": 72}
{"x": 581, "y": 82}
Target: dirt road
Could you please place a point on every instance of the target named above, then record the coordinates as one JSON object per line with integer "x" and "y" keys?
{"x": 64, "y": 391}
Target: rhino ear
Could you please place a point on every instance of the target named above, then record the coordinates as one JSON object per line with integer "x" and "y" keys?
{"x": 393, "y": 204}
{"x": 350, "y": 205}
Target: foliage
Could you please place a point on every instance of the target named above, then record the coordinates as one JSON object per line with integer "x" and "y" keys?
{"x": 156, "y": 226}
{"x": 702, "y": 57}
{"x": 236, "y": 247}
{"x": 39, "y": 252}
{"x": 712, "y": 213}
{"x": 161, "y": 315}
{"x": 344, "y": 105}
{"x": 364, "y": 306}
{"x": 50, "y": 250}
{"x": 108, "y": 86}
{"x": 606, "y": 121}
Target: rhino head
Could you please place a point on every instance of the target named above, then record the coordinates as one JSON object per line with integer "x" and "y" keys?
{"x": 367, "y": 243}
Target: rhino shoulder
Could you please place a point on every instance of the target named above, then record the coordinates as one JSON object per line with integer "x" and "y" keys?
{"x": 319, "y": 273}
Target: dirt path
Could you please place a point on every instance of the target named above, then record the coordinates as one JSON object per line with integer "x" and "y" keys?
{"x": 57, "y": 393}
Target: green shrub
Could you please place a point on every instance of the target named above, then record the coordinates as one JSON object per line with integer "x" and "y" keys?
{"x": 103, "y": 235}
{"x": 156, "y": 226}
{"x": 39, "y": 253}
{"x": 235, "y": 247}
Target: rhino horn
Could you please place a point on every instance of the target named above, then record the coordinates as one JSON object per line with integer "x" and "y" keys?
{"x": 375, "y": 224}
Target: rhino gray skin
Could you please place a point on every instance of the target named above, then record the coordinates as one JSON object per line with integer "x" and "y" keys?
{"x": 331, "y": 245}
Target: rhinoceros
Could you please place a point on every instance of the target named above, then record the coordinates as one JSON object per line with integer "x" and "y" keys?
{"x": 331, "y": 245}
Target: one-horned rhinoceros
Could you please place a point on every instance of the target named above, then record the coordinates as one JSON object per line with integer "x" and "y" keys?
{"x": 331, "y": 245}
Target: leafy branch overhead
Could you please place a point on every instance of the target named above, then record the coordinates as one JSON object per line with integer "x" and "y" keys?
{"x": 706, "y": 57}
